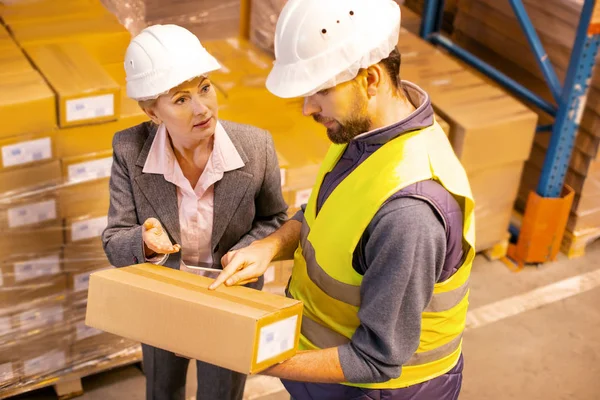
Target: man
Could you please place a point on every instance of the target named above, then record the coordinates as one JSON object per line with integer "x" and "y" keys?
{"x": 383, "y": 249}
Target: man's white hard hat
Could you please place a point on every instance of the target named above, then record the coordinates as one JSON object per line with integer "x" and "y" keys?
{"x": 322, "y": 43}
{"x": 162, "y": 57}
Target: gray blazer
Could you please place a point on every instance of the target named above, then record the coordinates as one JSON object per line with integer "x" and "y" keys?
{"x": 248, "y": 203}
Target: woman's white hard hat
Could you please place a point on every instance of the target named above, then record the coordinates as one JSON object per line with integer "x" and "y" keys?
{"x": 322, "y": 43}
{"x": 162, "y": 57}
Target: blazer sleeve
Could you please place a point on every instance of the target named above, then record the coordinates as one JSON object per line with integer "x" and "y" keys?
{"x": 122, "y": 238}
{"x": 271, "y": 209}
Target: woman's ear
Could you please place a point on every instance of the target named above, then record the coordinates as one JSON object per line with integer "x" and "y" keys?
{"x": 149, "y": 107}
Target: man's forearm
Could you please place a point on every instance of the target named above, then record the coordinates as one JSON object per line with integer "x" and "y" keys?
{"x": 284, "y": 241}
{"x": 318, "y": 366}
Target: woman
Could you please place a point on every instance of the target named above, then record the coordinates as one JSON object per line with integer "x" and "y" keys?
{"x": 186, "y": 188}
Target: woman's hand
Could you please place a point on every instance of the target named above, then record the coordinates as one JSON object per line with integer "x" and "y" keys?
{"x": 156, "y": 239}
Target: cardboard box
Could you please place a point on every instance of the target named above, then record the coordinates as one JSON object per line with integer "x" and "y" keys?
{"x": 495, "y": 186}
{"x": 17, "y": 181}
{"x": 49, "y": 314}
{"x": 46, "y": 235}
{"x": 86, "y": 93}
{"x": 84, "y": 257}
{"x": 584, "y": 222}
{"x": 83, "y": 230}
{"x": 104, "y": 37}
{"x": 22, "y": 150}
{"x": 12, "y": 59}
{"x": 31, "y": 269}
{"x": 83, "y": 140}
{"x": 236, "y": 328}
{"x": 37, "y": 304}
{"x": 44, "y": 355}
{"x": 89, "y": 167}
{"x": 10, "y": 373}
{"x": 491, "y": 227}
{"x": 84, "y": 200}
{"x": 27, "y": 104}
{"x": 42, "y": 11}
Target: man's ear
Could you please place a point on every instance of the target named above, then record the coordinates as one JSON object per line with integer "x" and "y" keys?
{"x": 374, "y": 79}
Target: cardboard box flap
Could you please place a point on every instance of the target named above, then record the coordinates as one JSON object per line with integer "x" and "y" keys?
{"x": 23, "y": 87}
{"x": 70, "y": 68}
{"x": 236, "y": 300}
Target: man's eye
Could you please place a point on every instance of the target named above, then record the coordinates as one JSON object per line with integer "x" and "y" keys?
{"x": 205, "y": 89}
{"x": 180, "y": 100}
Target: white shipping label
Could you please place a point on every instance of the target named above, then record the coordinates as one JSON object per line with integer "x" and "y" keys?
{"x": 89, "y": 228}
{"x": 45, "y": 364}
{"x": 282, "y": 173}
{"x": 276, "y": 339}
{"x": 81, "y": 281}
{"x": 5, "y": 325}
{"x": 26, "y": 152}
{"x": 45, "y": 266}
{"x": 270, "y": 274}
{"x": 90, "y": 170}
{"x": 90, "y": 107}
{"x": 302, "y": 197}
{"x": 6, "y": 372}
{"x": 30, "y": 214}
{"x": 83, "y": 331}
{"x": 40, "y": 317}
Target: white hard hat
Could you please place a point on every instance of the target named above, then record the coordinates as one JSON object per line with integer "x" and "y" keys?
{"x": 322, "y": 43}
{"x": 162, "y": 57}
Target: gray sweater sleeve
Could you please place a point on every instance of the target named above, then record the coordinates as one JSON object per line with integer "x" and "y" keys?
{"x": 402, "y": 253}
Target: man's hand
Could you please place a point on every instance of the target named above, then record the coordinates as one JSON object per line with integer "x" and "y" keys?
{"x": 245, "y": 265}
{"x": 156, "y": 239}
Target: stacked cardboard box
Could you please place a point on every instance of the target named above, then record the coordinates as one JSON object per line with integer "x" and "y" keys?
{"x": 490, "y": 132}
{"x": 61, "y": 103}
{"x": 490, "y": 30}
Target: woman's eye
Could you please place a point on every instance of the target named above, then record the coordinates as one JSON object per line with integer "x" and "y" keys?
{"x": 205, "y": 89}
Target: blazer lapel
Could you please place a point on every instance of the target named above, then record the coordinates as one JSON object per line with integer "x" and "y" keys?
{"x": 161, "y": 195}
{"x": 229, "y": 192}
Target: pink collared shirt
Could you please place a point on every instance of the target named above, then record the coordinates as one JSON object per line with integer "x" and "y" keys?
{"x": 195, "y": 205}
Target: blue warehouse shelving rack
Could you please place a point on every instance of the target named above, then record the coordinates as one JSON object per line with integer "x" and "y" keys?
{"x": 540, "y": 235}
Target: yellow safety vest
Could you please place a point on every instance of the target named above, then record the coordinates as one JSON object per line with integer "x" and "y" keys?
{"x": 324, "y": 279}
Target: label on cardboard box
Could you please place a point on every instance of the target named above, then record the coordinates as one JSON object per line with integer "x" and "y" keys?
{"x": 6, "y": 372}
{"x": 42, "y": 316}
{"x": 5, "y": 325}
{"x": 90, "y": 170}
{"x": 26, "y": 152}
{"x": 37, "y": 268}
{"x": 46, "y": 363}
{"x": 83, "y": 331}
{"x": 90, "y": 107}
{"x": 270, "y": 274}
{"x": 302, "y": 197}
{"x": 276, "y": 338}
{"x": 89, "y": 228}
{"x": 32, "y": 213}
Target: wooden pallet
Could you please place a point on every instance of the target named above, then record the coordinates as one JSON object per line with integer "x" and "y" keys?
{"x": 68, "y": 385}
{"x": 574, "y": 244}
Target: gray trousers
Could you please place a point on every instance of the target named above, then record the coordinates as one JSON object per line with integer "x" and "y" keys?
{"x": 166, "y": 375}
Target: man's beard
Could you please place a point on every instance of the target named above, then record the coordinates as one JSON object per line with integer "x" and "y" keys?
{"x": 356, "y": 124}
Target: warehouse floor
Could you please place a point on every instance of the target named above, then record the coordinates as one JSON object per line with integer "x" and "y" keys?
{"x": 531, "y": 335}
